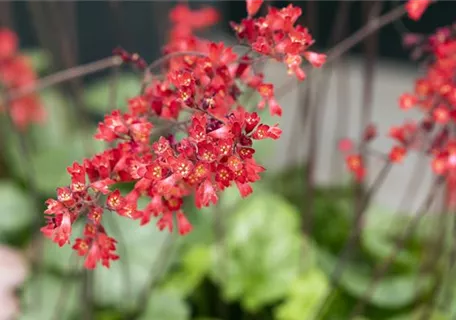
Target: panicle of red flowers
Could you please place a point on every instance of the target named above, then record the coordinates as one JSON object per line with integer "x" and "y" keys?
{"x": 276, "y": 35}
{"x": 200, "y": 81}
{"x": 435, "y": 95}
{"x": 16, "y": 72}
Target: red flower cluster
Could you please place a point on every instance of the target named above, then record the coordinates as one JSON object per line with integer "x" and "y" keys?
{"x": 16, "y": 72}
{"x": 199, "y": 77}
{"x": 276, "y": 36}
{"x": 435, "y": 95}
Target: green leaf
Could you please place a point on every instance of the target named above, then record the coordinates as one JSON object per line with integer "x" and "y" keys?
{"x": 57, "y": 129}
{"x": 259, "y": 258}
{"x": 141, "y": 251}
{"x": 50, "y": 167}
{"x": 40, "y": 59}
{"x": 418, "y": 314}
{"x": 166, "y": 305}
{"x": 97, "y": 95}
{"x": 392, "y": 291}
{"x": 194, "y": 267}
{"x": 62, "y": 259}
{"x": 304, "y": 297}
{"x": 382, "y": 231}
{"x": 16, "y": 209}
{"x": 44, "y": 295}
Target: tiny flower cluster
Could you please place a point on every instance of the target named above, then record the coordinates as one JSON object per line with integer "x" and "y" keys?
{"x": 16, "y": 72}
{"x": 435, "y": 95}
{"x": 276, "y": 36}
{"x": 200, "y": 82}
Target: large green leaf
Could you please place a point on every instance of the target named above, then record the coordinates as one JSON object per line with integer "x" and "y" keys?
{"x": 40, "y": 59}
{"x": 391, "y": 291}
{"x": 144, "y": 253}
{"x": 63, "y": 259}
{"x": 16, "y": 209}
{"x": 166, "y": 305}
{"x": 383, "y": 229}
{"x": 98, "y": 95}
{"x": 304, "y": 297}
{"x": 58, "y": 125}
{"x": 48, "y": 297}
{"x": 194, "y": 267}
{"x": 259, "y": 257}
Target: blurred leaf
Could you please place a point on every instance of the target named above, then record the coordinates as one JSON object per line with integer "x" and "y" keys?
{"x": 97, "y": 95}
{"x": 382, "y": 231}
{"x": 165, "y": 305}
{"x": 194, "y": 267}
{"x": 140, "y": 250}
{"x": 16, "y": 209}
{"x": 40, "y": 59}
{"x": 46, "y": 296}
{"x": 392, "y": 291}
{"x": 50, "y": 166}
{"x": 259, "y": 258}
{"x": 63, "y": 259}
{"x": 57, "y": 127}
{"x": 418, "y": 315}
{"x": 304, "y": 296}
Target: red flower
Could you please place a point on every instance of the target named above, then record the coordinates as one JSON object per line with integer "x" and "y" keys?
{"x": 416, "y": 8}
{"x": 397, "y": 154}
{"x": 183, "y": 225}
{"x": 8, "y": 43}
{"x": 253, "y": 6}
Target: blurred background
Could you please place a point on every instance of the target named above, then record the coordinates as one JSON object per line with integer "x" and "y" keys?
{"x": 270, "y": 256}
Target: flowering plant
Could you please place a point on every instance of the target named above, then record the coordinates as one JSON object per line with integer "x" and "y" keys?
{"x": 196, "y": 94}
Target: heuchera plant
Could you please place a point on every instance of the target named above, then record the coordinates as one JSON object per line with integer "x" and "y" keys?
{"x": 204, "y": 81}
{"x": 16, "y": 72}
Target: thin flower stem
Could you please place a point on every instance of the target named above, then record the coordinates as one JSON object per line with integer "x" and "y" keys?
{"x": 345, "y": 45}
{"x": 155, "y": 273}
{"x": 65, "y": 75}
{"x": 381, "y": 270}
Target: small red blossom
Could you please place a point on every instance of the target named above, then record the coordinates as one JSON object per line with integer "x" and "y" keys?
{"x": 397, "y": 154}
{"x": 253, "y": 6}
{"x": 416, "y": 8}
{"x": 356, "y": 166}
{"x": 16, "y": 72}
{"x": 407, "y": 101}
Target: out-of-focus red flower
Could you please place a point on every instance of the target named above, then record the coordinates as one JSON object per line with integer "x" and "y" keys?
{"x": 16, "y": 72}
{"x": 416, "y": 8}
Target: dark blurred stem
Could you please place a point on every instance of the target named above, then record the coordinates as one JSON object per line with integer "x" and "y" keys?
{"x": 65, "y": 75}
{"x": 449, "y": 294}
{"x": 87, "y": 295}
{"x": 382, "y": 268}
{"x": 156, "y": 271}
{"x": 343, "y": 90}
{"x": 308, "y": 97}
{"x": 371, "y": 11}
{"x": 436, "y": 252}
{"x": 6, "y": 14}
